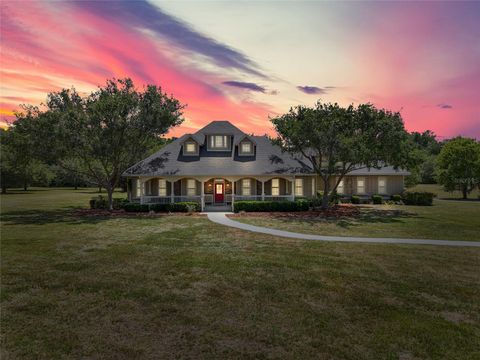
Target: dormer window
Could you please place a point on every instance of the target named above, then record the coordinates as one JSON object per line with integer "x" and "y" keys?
{"x": 190, "y": 147}
{"x": 246, "y": 147}
{"x": 219, "y": 142}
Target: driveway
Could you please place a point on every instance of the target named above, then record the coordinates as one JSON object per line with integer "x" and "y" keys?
{"x": 222, "y": 219}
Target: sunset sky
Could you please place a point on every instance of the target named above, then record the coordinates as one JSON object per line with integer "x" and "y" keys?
{"x": 246, "y": 61}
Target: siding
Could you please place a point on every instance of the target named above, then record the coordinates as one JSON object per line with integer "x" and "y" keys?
{"x": 394, "y": 184}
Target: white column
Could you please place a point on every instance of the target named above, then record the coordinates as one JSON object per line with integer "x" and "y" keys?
{"x": 233, "y": 192}
{"x": 263, "y": 190}
{"x": 202, "y": 202}
{"x": 171, "y": 191}
{"x": 142, "y": 190}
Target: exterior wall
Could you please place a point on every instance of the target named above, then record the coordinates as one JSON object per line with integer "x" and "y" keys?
{"x": 307, "y": 185}
{"x": 394, "y": 184}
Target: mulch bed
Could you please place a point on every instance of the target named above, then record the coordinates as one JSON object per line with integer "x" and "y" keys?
{"x": 336, "y": 212}
{"x": 123, "y": 213}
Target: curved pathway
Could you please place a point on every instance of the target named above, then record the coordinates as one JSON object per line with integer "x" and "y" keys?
{"x": 222, "y": 219}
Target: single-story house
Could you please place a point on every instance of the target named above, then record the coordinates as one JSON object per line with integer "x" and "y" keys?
{"x": 220, "y": 164}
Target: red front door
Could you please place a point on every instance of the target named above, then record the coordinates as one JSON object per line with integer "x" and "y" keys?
{"x": 219, "y": 193}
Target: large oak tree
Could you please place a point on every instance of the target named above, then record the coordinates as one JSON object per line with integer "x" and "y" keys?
{"x": 336, "y": 141}
{"x": 107, "y": 130}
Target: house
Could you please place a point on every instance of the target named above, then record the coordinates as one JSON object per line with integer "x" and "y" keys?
{"x": 220, "y": 164}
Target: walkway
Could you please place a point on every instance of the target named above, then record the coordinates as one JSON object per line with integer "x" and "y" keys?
{"x": 221, "y": 218}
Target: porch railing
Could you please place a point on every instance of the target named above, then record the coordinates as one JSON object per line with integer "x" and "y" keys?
{"x": 278, "y": 197}
{"x": 155, "y": 199}
{"x": 248, "y": 197}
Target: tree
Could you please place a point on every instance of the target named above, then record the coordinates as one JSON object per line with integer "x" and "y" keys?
{"x": 336, "y": 141}
{"x": 19, "y": 163}
{"x": 106, "y": 131}
{"x": 458, "y": 165}
{"x": 425, "y": 149}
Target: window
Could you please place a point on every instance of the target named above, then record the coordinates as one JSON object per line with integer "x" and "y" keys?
{"x": 298, "y": 187}
{"x": 190, "y": 147}
{"x": 360, "y": 185}
{"x": 275, "y": 187}
{"x": 382, "y": 185}
{"x": 162, "y": 187}
{"x": 191, "y": 187}
{"x": 138, "y": 188}
{"x": 218, "y": 142}
{"x": 246, "y": 187}
{"x": 246, "y": 147}
{"x": 340, "y": 187}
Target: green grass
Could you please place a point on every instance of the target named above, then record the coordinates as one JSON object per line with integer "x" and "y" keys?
{"x": 182, "y": 287}
{"x": 442, "y": 194}
{"x": 445, "y": 220}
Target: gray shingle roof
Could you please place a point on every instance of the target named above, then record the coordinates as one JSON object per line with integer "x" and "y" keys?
{"x": 268, "y": 159}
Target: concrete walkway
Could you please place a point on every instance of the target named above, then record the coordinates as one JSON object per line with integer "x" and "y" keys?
{"x": 222, "y": 219}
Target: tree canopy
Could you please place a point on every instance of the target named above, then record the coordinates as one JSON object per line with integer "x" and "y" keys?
{"x": 337, "y": 140}
{"x": 102, "y": 134}
{"x": 458, "y": 165}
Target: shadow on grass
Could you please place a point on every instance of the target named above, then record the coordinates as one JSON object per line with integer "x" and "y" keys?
{"x": 458, "y": 199}
{"x": 70, "y": 216}
{"x": 365, "y": 215}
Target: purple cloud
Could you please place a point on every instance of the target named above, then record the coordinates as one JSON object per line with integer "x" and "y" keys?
{"x": 444, "y": 106}
{"x": 313, "y": 89}
{"x": 245, "y": 85}
{"x": 141, "y": 14}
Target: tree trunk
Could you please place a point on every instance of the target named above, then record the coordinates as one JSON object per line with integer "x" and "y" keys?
{"x": 110, "y": 197}
{"x": 4, "y": 188}
{"x": 25, "y": 185}
{"x": 99, "y": 189}
{"x": 325, "y": 199}
{"x": 464, "y": 192}
{"x": 75, "y": 183}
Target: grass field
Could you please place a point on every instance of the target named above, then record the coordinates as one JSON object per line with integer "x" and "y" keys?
{"x": 76, "y": 287}
{"x": 445, "y": 220}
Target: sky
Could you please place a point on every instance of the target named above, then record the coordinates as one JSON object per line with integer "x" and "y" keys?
{"x": 249, "y": 61}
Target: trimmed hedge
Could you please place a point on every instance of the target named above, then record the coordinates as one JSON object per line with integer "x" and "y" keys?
{"x": 377, "y": 199}
{"x": 175, "y": 207}
{"x": 260, "y": 206}
{"x": 418, "y": 198}
{"x": 355, "y": 199}
{"x": 396, "y": 198}
{"x": 101, "y": 202}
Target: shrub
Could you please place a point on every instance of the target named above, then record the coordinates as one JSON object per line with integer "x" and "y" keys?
{"x": 159, "y": 207}
{"x": 283, "y": 206}
{"x": 183, "y": 207}
{"x": 135, "y": 207}
{"x": 101, "y": 202}
{"x": 175, "y": 207}
{"x": 377, "y": 199}
{"x": 396, "y": 198}
{"x": 355, "y": 199}
{"x": 418, "y": 198}
{"x": 334, "y": 199}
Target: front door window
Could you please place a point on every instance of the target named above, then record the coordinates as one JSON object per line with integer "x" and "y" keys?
{"x": 219, "y": 193}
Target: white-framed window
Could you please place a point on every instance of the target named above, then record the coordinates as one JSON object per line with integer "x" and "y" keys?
{"x": 162, "y": 187}
{"x": 138, "y": 188}
{"x": 360, "y": 185}
{"x": 246, "y": 187}
{"x": 275, "y": 187}
{"x": 191, "y": 187}
{"x": 382, "y": 185}
{"x": 190, "y": 147}
{"x": 218, "y": 141}
{"x": 340, "y": 187}
{"x": 298, "y": 187}
{"x": 246, "y": 147}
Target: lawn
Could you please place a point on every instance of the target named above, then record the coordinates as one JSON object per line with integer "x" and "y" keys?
{"x": 122, "y": 287}
{"x": 445, "y": 220}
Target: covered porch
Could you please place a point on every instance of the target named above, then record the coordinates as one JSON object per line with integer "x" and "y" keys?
{"x": 216, "y": 192}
